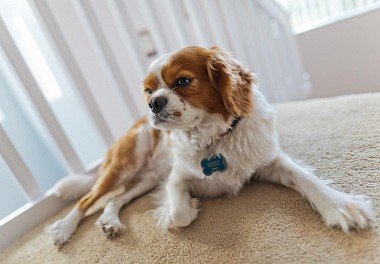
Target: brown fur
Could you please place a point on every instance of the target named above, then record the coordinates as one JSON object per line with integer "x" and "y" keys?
{"x": 219, "y": 83}
{"x": 150, "y": 82}
{"x": 155, "y": 137}
{"x": 233, "y": 80}
{"x": 191, "y": 63}
{"x": 177, "y": 114}
{"x": 119, "y": 158}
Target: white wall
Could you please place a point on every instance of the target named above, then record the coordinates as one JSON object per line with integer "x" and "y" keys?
{"x": 343, "y": 57}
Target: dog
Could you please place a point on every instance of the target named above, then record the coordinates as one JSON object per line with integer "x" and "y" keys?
{"x": 209, "y": 131}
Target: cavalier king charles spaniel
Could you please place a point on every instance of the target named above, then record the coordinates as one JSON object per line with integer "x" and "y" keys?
{"x": 208, "y": 132}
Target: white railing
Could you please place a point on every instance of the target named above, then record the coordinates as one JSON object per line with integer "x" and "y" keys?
{"x": 35, "y": 93}
{"x": 309, "y": 12}
{"x": 103, "y": 47}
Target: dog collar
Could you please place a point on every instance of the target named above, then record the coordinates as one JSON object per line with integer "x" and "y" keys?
{"x": 234, "y": 123}
{"x": 214, "y": 163}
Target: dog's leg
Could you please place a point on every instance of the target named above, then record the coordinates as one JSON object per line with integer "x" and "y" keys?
{"x": 177, "y": 208}
{"x": 121, "y": 164}
{"x": 336, "y": 208}
{"x": 61, "y": 230}
{"x": 109, "y": 221}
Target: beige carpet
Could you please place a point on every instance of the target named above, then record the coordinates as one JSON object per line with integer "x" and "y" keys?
{"x": 265, "y": 223}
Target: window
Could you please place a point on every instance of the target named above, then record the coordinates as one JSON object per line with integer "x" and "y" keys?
{"x": 311, "y": 13}
{"x": 29, "y": 137}
{"x": 22, "y": 122}
{"x": 48, "y": 72}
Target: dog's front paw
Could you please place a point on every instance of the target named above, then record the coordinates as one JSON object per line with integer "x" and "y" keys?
{"x": 348, "y": 212}
{"x": 184, "y": 215}
{"x": 162, "y": 216}
{"x": 110, "y": 225}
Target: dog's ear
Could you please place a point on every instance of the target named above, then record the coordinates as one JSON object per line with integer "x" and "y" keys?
{"x": 233, "y": 81}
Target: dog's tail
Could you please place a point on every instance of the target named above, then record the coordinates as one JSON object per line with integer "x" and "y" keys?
{"x": 74, "y": 186}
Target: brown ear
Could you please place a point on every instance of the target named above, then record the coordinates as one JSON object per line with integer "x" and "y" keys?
{"x": 232, "y": 80}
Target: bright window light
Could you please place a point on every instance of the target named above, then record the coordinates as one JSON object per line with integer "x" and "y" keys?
{"x": 303, "y": 13}
{"x": 36, "y": 60}
{"x": 18, "y": 20}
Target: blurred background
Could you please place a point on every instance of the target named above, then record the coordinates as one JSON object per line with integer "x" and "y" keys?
{"x": 71, "y": 72}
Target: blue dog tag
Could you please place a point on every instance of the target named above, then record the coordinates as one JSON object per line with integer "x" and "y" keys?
{"x": 213, "y": 163}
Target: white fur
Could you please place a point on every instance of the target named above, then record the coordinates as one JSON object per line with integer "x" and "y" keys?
{"x": 336, "y": 208}
{"x": 74, "y": 186}
{"x": 109, "y": 221}
{"x": 190, "y": 116}
{"x": 251, "y": 150}
{"x": 61, "y": 230}
{"x": 157, "y": 64}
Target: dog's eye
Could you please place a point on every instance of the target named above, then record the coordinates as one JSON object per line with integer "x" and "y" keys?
{"x": 182, "y": 82}
{"x": 148, "y": 91}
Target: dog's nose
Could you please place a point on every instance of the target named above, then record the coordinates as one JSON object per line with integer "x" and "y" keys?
{"x": 157, "y": 104}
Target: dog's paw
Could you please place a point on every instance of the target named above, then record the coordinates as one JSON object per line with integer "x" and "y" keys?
{"x": 60, "y": 231}
{"x": 184, "y": 215}
{"x": 162, "y": 216}
{"x": 348, "y": 212}
{"x": 110, "y": 225}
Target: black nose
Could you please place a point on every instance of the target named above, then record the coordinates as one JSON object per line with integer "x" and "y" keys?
{"x": 157, "y": 104}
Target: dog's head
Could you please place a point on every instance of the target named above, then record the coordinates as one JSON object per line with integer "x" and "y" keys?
{"x": 183, "y": 87}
